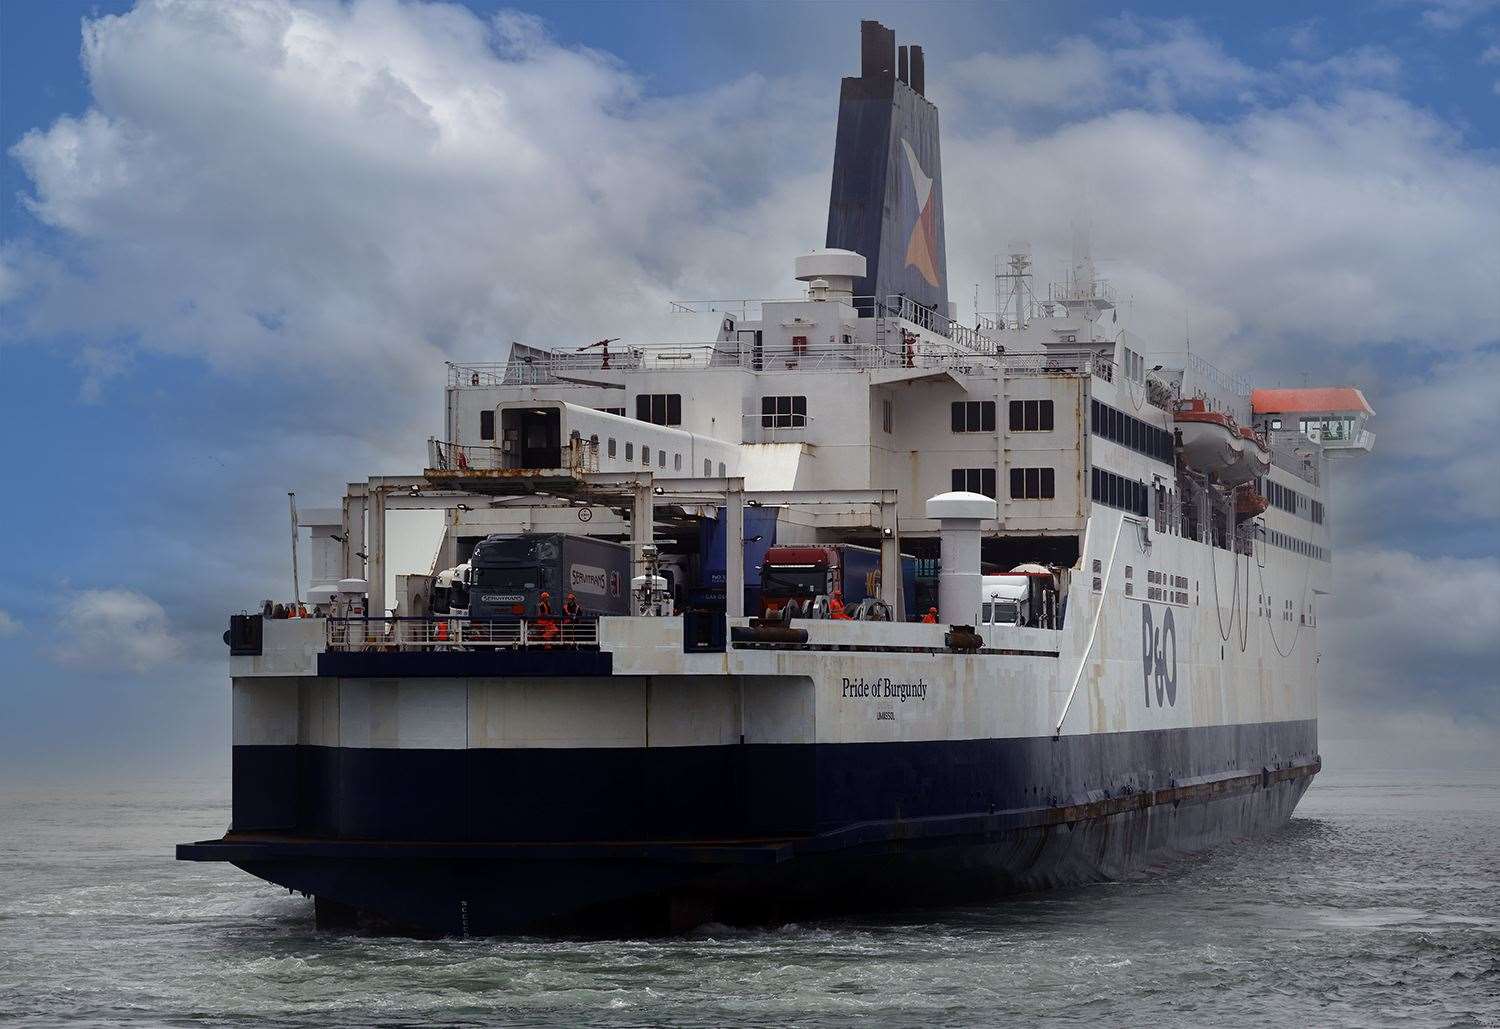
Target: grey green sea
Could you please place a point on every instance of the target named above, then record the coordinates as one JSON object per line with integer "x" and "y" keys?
{"x": 1378, "y": 904}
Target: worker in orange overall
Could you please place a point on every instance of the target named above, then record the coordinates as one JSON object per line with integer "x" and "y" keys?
{"x": 544, "y": 622}
{"x": 836, "y": 607}
{"x": 930, "y": 618}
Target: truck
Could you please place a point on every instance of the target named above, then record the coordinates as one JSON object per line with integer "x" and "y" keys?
{"x": 804, "y": 573}
{"x": 508, "y": 575}
{"x": 1027, "y": 595}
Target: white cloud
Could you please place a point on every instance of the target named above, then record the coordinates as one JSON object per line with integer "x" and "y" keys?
{"x": 1447, "y": 15}
{"x": 8, "y": 625}
{"x": 100, "y": 365}
{"x": 309, "y": 185}
{"x": 112, "y": 630}
{"x": 1160, "y": 64}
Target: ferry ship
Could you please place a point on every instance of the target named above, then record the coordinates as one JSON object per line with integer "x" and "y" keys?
{"x": 849, "y": 607}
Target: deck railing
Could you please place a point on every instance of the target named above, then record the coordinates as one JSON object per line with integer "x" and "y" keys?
{"x": 439, "y": 632}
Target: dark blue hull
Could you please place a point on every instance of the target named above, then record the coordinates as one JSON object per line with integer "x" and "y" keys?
{"x": 493, "y": 841}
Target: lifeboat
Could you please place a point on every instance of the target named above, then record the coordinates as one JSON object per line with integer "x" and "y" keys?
{"x": 1248, "y": 504}
{"x": 1212, "y": 443}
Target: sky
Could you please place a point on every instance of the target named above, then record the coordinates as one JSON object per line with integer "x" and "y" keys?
{"x": 238, "y": 242}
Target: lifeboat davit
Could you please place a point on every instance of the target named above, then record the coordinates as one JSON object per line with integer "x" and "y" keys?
{"x": 1212, "y": 443}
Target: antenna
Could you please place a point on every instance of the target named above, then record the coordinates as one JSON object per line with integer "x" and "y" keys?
{"x": 291, "y": 499}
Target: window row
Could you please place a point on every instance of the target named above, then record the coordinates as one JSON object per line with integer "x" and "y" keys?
{"x": 1286, "y": 541}
{"x": 1129, "y": 431}
{"x": 612, "y": 449}
{"x": 1290, "y": 501}
{"x": 979, "y": 416}
{"x": 1114, "y": 490}
{"x": 1025, "y": 483}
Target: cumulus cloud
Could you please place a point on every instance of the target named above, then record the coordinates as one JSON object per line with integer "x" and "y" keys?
{"x": 115, "y": 630}
{"x": 1448, "y": 15}
{"x": 8, "y": 625}
{"x": 313, "y": 184}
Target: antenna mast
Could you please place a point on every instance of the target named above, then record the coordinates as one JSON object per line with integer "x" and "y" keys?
{"x": 291, "y": 499}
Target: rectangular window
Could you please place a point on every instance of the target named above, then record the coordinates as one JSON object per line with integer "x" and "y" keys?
{"x": 661, "y": 459}
{"x": 974, "y": 480}
{"x": 783, "y": 412}
{"x": 486, "y": 424}
{"x": 1032, "y": 483}
{"x": 973, "y": 416}
{"x": 1035, "y": 415}
{"x": 887, "y": 415}
{"x": 659, "y": 408}
{"x": 629, "y": 451}
{"x": 645, "y": 456}
{"x": 611, "y": 446}
{"x": 708, "y": 468}
{"x": 676, "y": 462}
{"x": 611, "y": 410}
{"x": 721, "y": 470}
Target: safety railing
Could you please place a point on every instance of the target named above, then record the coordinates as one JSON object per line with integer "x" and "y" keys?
{"x": 580, "y": 455}
{"x": 460, "y": 633}
{"x": 894, "y": 347}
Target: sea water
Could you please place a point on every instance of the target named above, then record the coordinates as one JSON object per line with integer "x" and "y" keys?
{"x": 1378, "y": 904}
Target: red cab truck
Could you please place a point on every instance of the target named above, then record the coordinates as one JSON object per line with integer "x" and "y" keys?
{"x": 819, "y": 570}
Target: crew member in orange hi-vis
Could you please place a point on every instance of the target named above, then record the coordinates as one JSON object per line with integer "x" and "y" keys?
{"x": 836, "y": 607}
{"x": 930, "y": 618}
{"x": 544, "y": 620}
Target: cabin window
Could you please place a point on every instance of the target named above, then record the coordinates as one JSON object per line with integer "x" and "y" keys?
{"x": 676, "y": 462}
{"x": 486, "y": 424}
{"x": 629, "y": 451}
{"x": 645, "y": 456}
{"x": 611, "y": 410}
{"x": 973, "y": 416}
{"x": 1031, "y": 416}
{"x": 661, "y": 459}
{"x": 887, "y": 415}
{"x": 611, "y": 446}
{"x": 708, "y": 468}
{"x": 1032, "y": 483}
{"x": 659, "y": 408}
{"x": 974, "y": 480}
{"x": 721, "y": 470}
{"x": 783, "y": 412}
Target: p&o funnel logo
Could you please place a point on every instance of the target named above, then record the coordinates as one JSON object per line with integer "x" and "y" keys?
{"x": 921, "y": 248}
